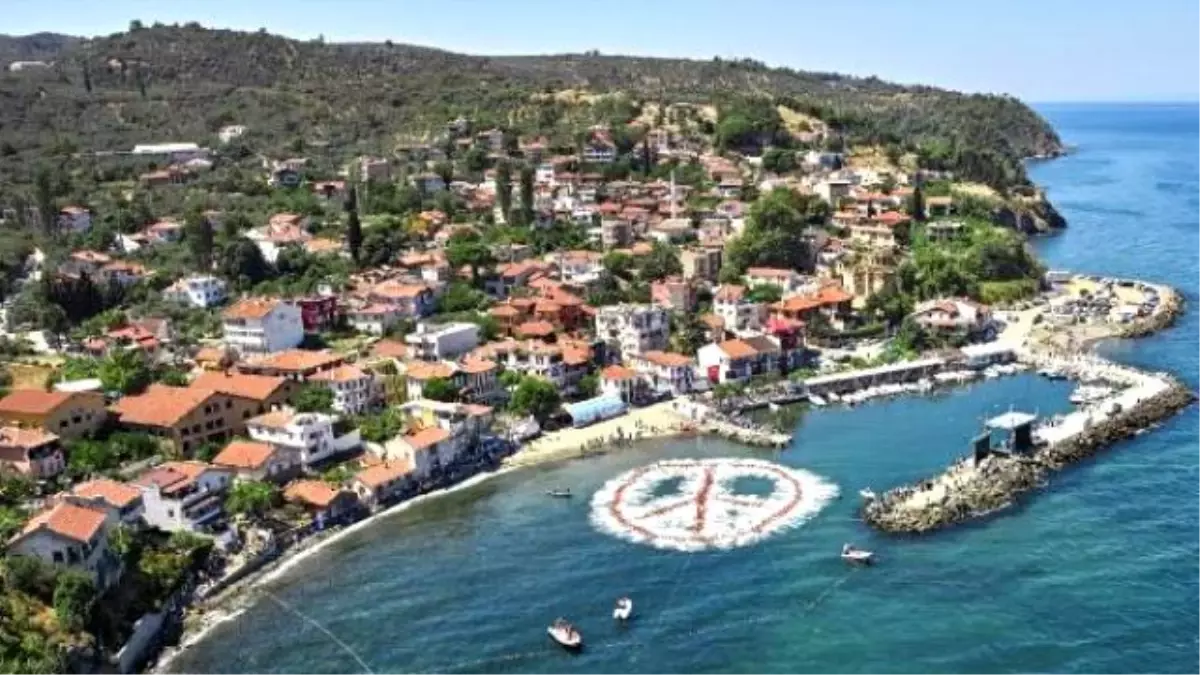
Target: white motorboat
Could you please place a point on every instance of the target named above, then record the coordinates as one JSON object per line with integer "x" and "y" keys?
{"x": 562, "y": 632}
{"x": 816, "y": 400}
{"x": 856, "y": 555}
{"x": 867, "y": 494}
{"x": 1052, "y": 373}
{"x": 623, "y": 609}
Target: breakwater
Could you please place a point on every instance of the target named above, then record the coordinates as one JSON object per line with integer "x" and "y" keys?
{"x": 1171, "y": 307}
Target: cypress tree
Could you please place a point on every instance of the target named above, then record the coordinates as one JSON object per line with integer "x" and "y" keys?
{"x": 354, "y": 236}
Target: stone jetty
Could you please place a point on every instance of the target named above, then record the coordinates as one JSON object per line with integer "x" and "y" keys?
{"x": 1170, "y": 308}
{"x": 968, "y": 490}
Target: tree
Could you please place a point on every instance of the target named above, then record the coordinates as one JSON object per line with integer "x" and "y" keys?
{"x": 588, "y": 386}
{"x": 125, "y": 371}
{"x": 504, "y": 187}
{"x": 354, "y": 236}
{"x": 198, "y": 233}
{"x": 662, "y": 261}
{"x": 765, "y": 293}
{"x": 535, "y": 396}
{"x": 251, "y": 497}
{"x": 476, "y": 160}
{"x": 244, "y": 263}
{"x": 526, "y": 195}
{"x": 916, "y": 208}
{"x": 687, "y": 333}
{"x": 44, "y": 194}
{"x": 313, "y": 397}
{"x": 466, "y": 248}
{"x": 74, "y": 595}
{"x": 778, "y": 160}
{"x": 440, "y": 389}
{"x": 87, "y": 75}
{"x": 135, "y": 25}
{"x": 774, "y": 235}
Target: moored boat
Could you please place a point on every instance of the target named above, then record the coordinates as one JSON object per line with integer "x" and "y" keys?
{"x": 562, "y": 632}
{"x": 857, "y": 555}
{"x": 623, "y": 609}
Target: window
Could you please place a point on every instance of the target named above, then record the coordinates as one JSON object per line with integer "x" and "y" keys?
{"x": 228, "y": 404}
{"x": 208, "y": 425}
{"x": 76, "y": 419}
{"x": 196, "y": 428}
{"x": 62, "y": 424}
{"x": 170, "y": 513}
{"x": 58, "y": 556}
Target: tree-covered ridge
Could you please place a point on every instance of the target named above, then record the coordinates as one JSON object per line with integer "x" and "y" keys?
{"x": 185, "y": 82}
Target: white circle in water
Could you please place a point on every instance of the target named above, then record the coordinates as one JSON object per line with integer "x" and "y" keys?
{"x": 702, "y": 511}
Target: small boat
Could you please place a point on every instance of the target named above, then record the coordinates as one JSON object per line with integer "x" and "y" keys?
{"x": 562, "y": 632}
{"x": 623, "y": 609}
{"x": 867, "y": 494}
{"x": 856, "y": 555}
{"x": 561, "y": 493}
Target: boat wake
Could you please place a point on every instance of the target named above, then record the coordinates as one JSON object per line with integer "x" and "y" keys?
{"x": 698, "y": 504}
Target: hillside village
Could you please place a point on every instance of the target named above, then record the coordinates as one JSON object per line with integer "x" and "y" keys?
{"x": 220, "y": 353}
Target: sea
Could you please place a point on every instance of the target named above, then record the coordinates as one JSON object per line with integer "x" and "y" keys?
{"x": 1095, "y": 573}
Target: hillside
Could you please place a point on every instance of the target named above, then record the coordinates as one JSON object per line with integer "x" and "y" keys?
{"x": 184, "y": 82}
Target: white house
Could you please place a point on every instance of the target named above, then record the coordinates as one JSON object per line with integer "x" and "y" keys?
{"x": 738, "y": 313}
{"x": 230, "y": 132}
{"x": 958, "y": 315}
{"x": 262, "y": 326}
{"x": 374, "y": 319}
{"x": 183, "y": 495}
{"x": 311, "y": 434}
{"x": 790, "y": 282}
{"x": 197, "y": 290}
{"x": 431, "y": 342}
{"x": 72, "y": 535}
{"x": 281, "y": 231}
{"x": 633, "y": 329}
{"x": 666, "y": 372}
{"x": 121, "y": 500}
{"x": 74, "y": 219}
{"x": 354, "y": 390}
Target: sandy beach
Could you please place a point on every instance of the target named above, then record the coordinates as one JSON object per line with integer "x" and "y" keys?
{"x": 655, "y": 421}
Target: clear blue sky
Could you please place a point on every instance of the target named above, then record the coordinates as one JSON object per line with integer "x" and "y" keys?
{"x": 1039, "y": 50}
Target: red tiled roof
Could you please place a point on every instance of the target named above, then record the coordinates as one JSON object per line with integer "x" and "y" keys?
{"x": 616, "y": 372}
{"x": 385, "y": 472}
{"x": 79, "y": 523}
{"x": 244, "y": 455}
{"x": 737, "y": 349}
{"x": 255, "y": 387}
{"x": 115, "y": 494}
{"x": 297, "y": 360}
{"x": 251, "y": 308}
{"x": 391, "y": 348}
{"x": 33, "y": 401}
{"x": 668, "y": 359}
{"x": 316, "y": 493}
{"x": 160, "y": 405}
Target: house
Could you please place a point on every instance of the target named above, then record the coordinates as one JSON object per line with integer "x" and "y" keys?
{"x": 311, "y": 435}
{"x": 198, "y": 290}
{"x": 354, "y": 390}
{"x": 437, "y": 342}
{"x": 739, "y": 359}
{"x": 581, "y": 268}
{"x": 477, "y": 380}
{"x": 831, "y": 302}
{"x": 621, "y": 382}
{"x": 515, "y": 275}
{"x": 673, "y": 293}
{"x": 283, "y": 230}
{"x": 672, "y": 231}
{"x": 383, "y": 482}
{"x": 700, "y": 263}
{"x": 74, "y": 219}
{"x": 790, "y": 282}
{"x": 737, "y": 312}
{"x": 615, "y": 233}
{"x": 294, "y": 364}
{"x": 71, "y": 535}
{"x": 428, "y": 183}
{"x": 35, "y": 453}
{"x": 429, "y": 449}
{"x": 122, "y": 272}
{"x": 68, "y": 415}
{"x": 84, "y": 261}
{"x": 121, "y": 499}
{"x": 187, "y": 417}
{"x": 317, "y": 312}
{"x": 419, "y": 373}
{"x": 373, "y": 169}
{"x": 330, "y": 190}
{"x": 165, "y": 231}
{"x": 945, "y": 230}
{"x": 955, "y": 315}
{"x": 253, "y": 460}
{"x": 183, "y": 495}
{"x": 374, "y": 319}
{"x": 833, "y": 191}
{"x": 262, "y": 326}
{"x": 412, "y": 301}
{"x": 630, "y": 329}
{"x": 938, "y": 207}
{"x": 599, "y": 150}
{"x": 250, "y": 394}
{"x": 666, "y": 372}
{"x": 323, "y": 502}
{"x": 229, "y": 132}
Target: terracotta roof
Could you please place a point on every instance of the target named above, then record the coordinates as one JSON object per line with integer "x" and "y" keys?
{"x": 386, "y": 472}
{"x": 730, "y": 293}
{"x": 79, "y": 523}
{"x": 250, "y": 308}
{"x": 426, "y": 370}
{"x": 713, "y": 321}
{"x": 616, "y": 372}
{"x": 476, "y": 409}
{"x": 90, "y": 256}
{"x": 737, "y": 349}
{"x": 576, "y": 356}
{"x": 535, "y": 329}
{"x": 115, "y": 494}
{"x": 316, "y": 493}
{"x": 770, "y": 272}
{"x": 891, "y": 218}
{"x": 667, "y": 359}
{"x": 392, "y": 348}
{"x": 477, "y": 365}
{"x": 426, "y": 437}
{"x": 244, "y": 455}
{"x": 343, "y": 373}
{"x": 256, "y": 387}
{"x": 33, "y": 401}
{"x": 396, "y": 290}
{"x": 160, "y": 405}
{"x": 504, "y": 311}
{"x": 170, "y": 476}
{"x": 321, "y": 245}
{"x": 19, "y": 437}
{"x": 276, "y": 419}
{"x": 297, "y": 360}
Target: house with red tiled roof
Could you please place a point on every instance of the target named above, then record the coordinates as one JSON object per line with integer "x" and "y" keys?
{"x": 262, "y": 325}
{"x": 738, "y": 360}
{"x": 294, "y": 364}
{"x": 666, "y": 372}
{"x": 70, "y": 535}
{"x": 355, "y": 391}
{"x": 254, "y": 460}
{"x": 314, "y": 436}
{"x": 183, "y": 495}
{"x": 252, "y": 394}
{"x": 122, "y": 500}
{"x": 383, "y": 482}
{"x": 731, "y": 303}
{"x": 32, "y": 452}
{"x": 186, "y": 417}
{"x": 411, "y": 300}
{"x": 322, "y": 501}
{"x": 831, "y": 301}
{"x": 66, "y": 414}
{"x": 622, "y": 382}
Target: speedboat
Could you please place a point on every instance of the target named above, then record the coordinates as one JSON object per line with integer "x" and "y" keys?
{"x": 856, "y": 556}
{"x": 562, "y": 632}
{"x": 561, "y": 493}
{"x": 867, "y": 494}
{"x": 623, "y": 609}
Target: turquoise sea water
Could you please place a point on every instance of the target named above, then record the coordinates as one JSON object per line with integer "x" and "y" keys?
{"x": 1096, "y": 573}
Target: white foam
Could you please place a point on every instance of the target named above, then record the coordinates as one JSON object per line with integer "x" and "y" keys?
{"x": 704, "y": 513}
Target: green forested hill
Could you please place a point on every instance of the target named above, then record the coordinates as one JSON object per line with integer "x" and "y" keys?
{"x": 166, "y": 83}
